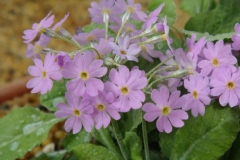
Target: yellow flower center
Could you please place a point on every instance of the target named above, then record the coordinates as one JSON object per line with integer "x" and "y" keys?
{"x": 105, "y": 11}
{"x": 100, "y": 107}
{"x": 215, "y": 62}
{"x": 123, "y": 52}
{"x": 124, "y": 90}
{"x": 44, "y": 74}
{"x": 84, "y": 75}
{"x": 230, "y": 85}
{"x": 76, "y": 112}
{"x": 164, "y": 37}
{"x": 166, "y": 110}
{"x": 195, "y": 94}
{"x": 37, "y": 49}
{"x": 130, "y": 9}
{"x": 143, "y": 48}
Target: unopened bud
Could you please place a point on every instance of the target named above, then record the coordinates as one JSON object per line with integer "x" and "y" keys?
{"x": 182, "y": 73}
{"x": 108, "y": 61}
{"x": 125, "y": 17}
{"x": 63, "y": 32}
{"x": 50, "y": 33}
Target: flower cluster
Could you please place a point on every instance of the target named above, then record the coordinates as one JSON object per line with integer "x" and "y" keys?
{"x": 102, "y": 84}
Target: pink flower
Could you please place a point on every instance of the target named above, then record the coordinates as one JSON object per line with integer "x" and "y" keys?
{"x": 84, "y": 71}
{"x": 125, "y": 50}
{"x": 126, "y": 86}
{"x": 43, "y": 74}
{"x": 236, "y": 37}
{"x": 93, "y": 36}
{"x": 218, "y": 55}
{"x": 58, "y": 25}
{"x": 37, "y": 48}
{"x": 193, "y": 47}
{"x": 104, "y": 110}
{"x": 198, "y": 87}
{"x": 30, "y": 34}
{"x": 226, "y": 85}
{"x": 153, "y": 17}
{"x": 78, "y": 113}
{"x": 132, "y": 8}
{"x": 167, "y": 108}
{"x": 105, "y": 8}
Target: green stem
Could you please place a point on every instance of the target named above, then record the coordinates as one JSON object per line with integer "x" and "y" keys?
{"x": 157, "y": 66}
{"x": 119, "y": 138}
{"x": 145, "y": 139}
{"x": 87, "y": 48}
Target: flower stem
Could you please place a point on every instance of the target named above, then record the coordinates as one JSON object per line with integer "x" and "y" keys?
{"x": 157, "y": 66}
{"x": 145, "y": 139}
{"x": 119, "y": 138}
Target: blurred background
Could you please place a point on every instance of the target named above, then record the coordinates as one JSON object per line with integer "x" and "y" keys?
{"x": 19, "y": 15}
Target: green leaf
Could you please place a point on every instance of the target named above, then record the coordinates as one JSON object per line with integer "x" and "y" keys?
{"x": 168, "y": 10}
{"x": 51, "y": 156}
{"x": 72, "y": 140}
{"x": 220, "y": 20}
{"x": 55, "y": 96}
{"x": 167, "y": 142}
{"x": 93, "y": 152}
{"x": 197, "y": 6}
{"x": 134, "y": 118}
{"x": 22, "y": 129}
{"x": 207, "y": 137}
{"x": 92, "y": 26}
{"x": 134, "y": 145}
{"x": 104, "y": 137}
{"x": 208, "y": 36}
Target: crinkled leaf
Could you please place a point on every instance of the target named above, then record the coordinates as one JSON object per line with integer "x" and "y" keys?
{"x": 197, "y": 6}
{"x": 22, "y": 129}
{"x": 208, "y": 36}
{"x": 134, "y": 145}
{"x": 72, "y": 140}
{"x": 167, "y": 142}
{"x": 104, "y": 137}
{"x": 51, "y": 156}
{"x": 234, "y": 152}
{"x": 207, "y": 137}
{"x": 220, "y": 20}
{"x": 134, "y": 118}
{"x": 55, "y": 96}
{"x": 168, "y": 10}
{"x": 93, "y": 152}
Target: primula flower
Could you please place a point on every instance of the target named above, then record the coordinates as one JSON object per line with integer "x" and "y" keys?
{"x": 193, "y": 47}
{"x": 36, "y": 49}
{"x": 147, "y": 51}
{"x": 104, "y": 110}
{"x": 167, "y": 108}
{"x": 126, "y": 86}
{"x": 93, "y": 36}
{"x": 58, "y": 25}
{"x": 105, "y": 8}
{"x": 84, "y": 71}
{"x": 63, "y": 57}
{"x": 218, "y": 55}
{"x": 198, "y": 87}
{"x": 153, "y": 17}
{"x": 30, "y": 34}
{"x": 78, "y": 113}
{"x": 103, "y": 47}
{"x": 132, "y": 8}
{"x": 226, "y": 85}
{"x": 43, "y": 74}
{"x": 236, "y": 37}
{"x": 124, "y": 50}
